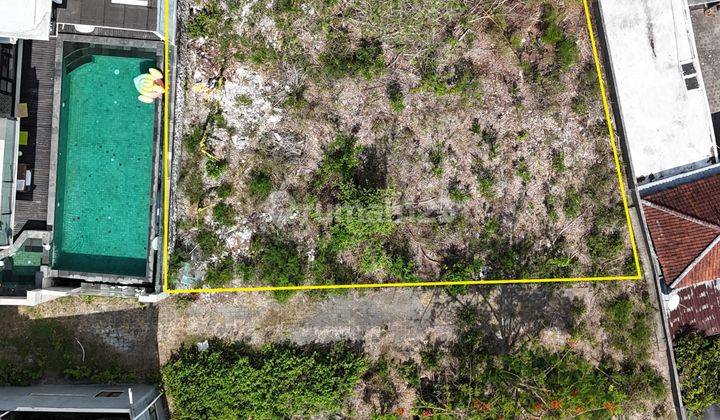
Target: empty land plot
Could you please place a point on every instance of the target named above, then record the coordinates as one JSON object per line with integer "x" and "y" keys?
{"x": 376, "y": 141}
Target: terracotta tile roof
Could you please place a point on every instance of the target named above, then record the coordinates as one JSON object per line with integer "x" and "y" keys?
{"x": 699, "y": 199}
{"x": 699, "y": 307}
{"x": 684, "y": 224}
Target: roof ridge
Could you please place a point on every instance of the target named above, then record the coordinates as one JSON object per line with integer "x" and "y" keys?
{"x": 695, "y": 262}
{"x": 684, "y": 216}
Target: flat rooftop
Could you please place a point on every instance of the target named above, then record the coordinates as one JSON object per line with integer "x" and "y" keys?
{"x": 660, "y": 90}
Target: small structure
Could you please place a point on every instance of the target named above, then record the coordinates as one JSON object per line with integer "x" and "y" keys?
{"x": 110, "y": 402}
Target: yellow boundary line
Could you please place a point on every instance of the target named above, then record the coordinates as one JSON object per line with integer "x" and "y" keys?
{"x": 618, "y": 171}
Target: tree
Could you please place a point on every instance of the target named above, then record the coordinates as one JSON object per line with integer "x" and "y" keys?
{"x": 696, "y": 357}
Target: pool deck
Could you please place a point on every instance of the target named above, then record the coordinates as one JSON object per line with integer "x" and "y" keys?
{"x": 36, "y": 90}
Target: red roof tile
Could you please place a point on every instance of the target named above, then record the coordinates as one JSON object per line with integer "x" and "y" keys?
{"x": 699, "y": 199}
{"x": 699, "y": 307}
{"x": 679, "y": 241}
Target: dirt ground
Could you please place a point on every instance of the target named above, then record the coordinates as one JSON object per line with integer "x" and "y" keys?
{"x": 506, "y": 154}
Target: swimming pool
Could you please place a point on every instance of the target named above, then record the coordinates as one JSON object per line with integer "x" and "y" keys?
{"x": 104, "y": 166}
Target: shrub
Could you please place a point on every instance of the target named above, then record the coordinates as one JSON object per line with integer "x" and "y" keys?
{"x": 523, "y": 170}
{"x": 605, "y": 247}
{"x": 484, "y": 384}
{"x": 475, "y": 127}
{"x": 224, "y": 190}
{"x": 489, "y": 137}
{"x": 224, "y": 214}
{"x": 455, "y": 79}
{"x": 277, "y": 262}
{"x": 697, "y": 358}
{"x": 215, "y": 168}
{"x": 436, "y": 159}
{"x": 192, "y": 185}
{"x": 486, "y": 184}
{"x": 221, "y": 273}
{"x": 341, "y": 158}
{"x": 260, "y": 185}
{"x": 572, "y": 204}
{"x": 296, "y": 98}
{"x": 522, "y": 135}
{"x": 206, "y": 22}
{"x": 243, "y": 100}
{"x": 366, "y": 221}
{"x": 558, "y": 162}
{"x": 566, "y": 50}
{"x": 209, "y": 242}
{"x": 396, "y": 97}
{"x": 232, "y": 380}
{"x": 366, "y": 60}
{"x": 629, "y": 326}
{"x": 459, "y": 194}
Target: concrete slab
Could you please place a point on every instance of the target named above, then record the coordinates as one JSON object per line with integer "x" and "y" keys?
{"x": 660, "y": 90}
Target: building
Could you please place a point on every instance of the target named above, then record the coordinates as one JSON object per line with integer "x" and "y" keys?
{"x": 658, "y": 53}
{"x": 82, "y": 402}
{"x": 683, "y": 219}
{"x": 661, "y": 96}
{"x": 80, "y": 151}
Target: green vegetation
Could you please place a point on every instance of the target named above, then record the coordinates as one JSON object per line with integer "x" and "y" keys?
{"x": 523, "y": 170}
{"x": 224, "y": 214}
{"x": 696, "y": 357}
{"x": 573, "y": 204}
{"x": 588, "y": 90}
{"x": 42, "y": 349}
{"x": 209, "y": 242}
{"x": 629, "y": 326}
{"x": 276, "y": 261}
{"x": 436, "y": 159}
{"x": 206, "y": 22}
{"x": 361, "y": 217}
{"x": 396, "y": 97}
{"x": 225, "y": 190}
{"x": 566, "y": 50}
{"x": 558, "y": 162}
{"x": 260, "y": 185}
{"x": 459, "y": 194}
{"x": 340, "y": 60}
{"x": 478, "y": 377}
{"x": 215, "y": 168}
{"x": 232, "y": 380}
{"x": 217, "y": 26}
{"x": 220, "y": 274}
{"x": 456, "y": 79}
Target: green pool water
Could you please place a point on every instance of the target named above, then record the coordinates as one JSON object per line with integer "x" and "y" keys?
{"x": 104, "y": 169}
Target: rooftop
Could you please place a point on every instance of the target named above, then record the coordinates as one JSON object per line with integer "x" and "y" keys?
{"x": 684, "y": 224}
{"x": 699, "y": 307}
{"x": 109, "y": 14}
{"x": 659, "y": 86}
{"x": 25, "y": 19}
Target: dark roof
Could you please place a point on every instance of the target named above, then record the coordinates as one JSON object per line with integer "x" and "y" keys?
{"x": 699, "y": 307}
{"x": 108, "y": 14}
{"x": 684, "y": 224}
